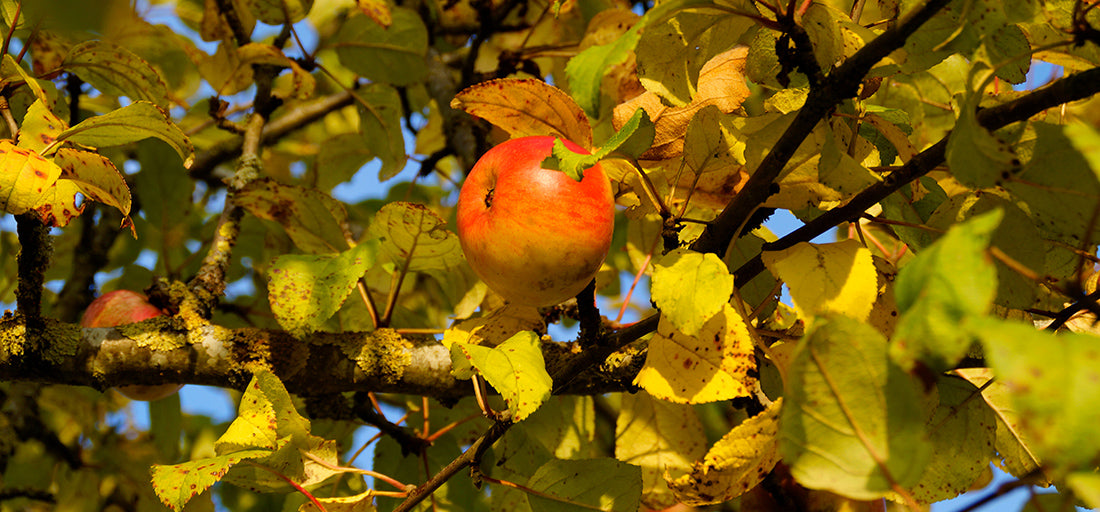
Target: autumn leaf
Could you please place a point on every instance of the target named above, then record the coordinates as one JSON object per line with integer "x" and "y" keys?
{"x": 662, "y": 438}
{"x": 721, "y": 83}
{"x": 827, "y": 278}
{"x": 25, "y": 178}
{"x": 525, "y": 107}
{"x": 713, "y": 365}
{"x": 736, "y": 463}
{"x": 514, "y": 368}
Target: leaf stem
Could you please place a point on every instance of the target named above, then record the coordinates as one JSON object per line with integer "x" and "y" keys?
{"x": 313, "y": 499}
{"x": 373, "y": 474}
{"x": 541, "y": 494}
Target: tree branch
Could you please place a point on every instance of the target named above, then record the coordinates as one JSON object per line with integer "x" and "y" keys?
{"x": 1065, "y": 90}
{"x": 163, "y": 350}
{"x": 842, "y": 83}
{"x": 295, "y": 119}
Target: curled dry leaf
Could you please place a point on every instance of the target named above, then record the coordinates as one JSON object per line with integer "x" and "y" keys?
{"x": 525, "y": 107}
{"x": 721, "y": 83}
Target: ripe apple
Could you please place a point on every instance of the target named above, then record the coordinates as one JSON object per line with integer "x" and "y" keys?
{"x": 534, "y": 235}
{"x": 125, "y": 307}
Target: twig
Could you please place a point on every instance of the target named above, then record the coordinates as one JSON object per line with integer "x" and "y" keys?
{"x": 838, "y": 85}
{"x": 1071, "y": 88}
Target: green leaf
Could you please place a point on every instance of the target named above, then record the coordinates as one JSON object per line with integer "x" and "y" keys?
{"x": 852, "y": 423}
{"x": 514, "y": 368}
{"x": 166, "y": 426}
{"x": 1062, "y": 202}
{"x": 306, "y": 290}
{"x": 977, "y": 158}
{"x": 604, "y": 484}
{"x": 339, "y": 159}
{"x": 962, "y": 431}
{"x": 393, "y": 55}
{"x": 633, "y": 139}
{"x": 1056, "y": 384}
{"x": 380, "y": 127}
{"x": 1016, "y": 236}
{"x": 690, "y": 288}
{"x": 948, "y": 282}
{"x": 661, "y": 438}
{"x": 761, "y": 287}
{"x": 176, "y": 485}
{"x": 116, "y": 71}
{"x": 280, "y": 12}
{"x": 412, "y": 233}
{"x": 1009, "y": 51}
{"x": 136, "y": 121}
{"x": 586, "y": 70}
{"x": 1016, "y": 456}
{"x": 312, "y": 219}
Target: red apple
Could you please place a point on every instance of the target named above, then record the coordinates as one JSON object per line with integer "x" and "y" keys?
{"x": 126, "y": 307}
{"x": 534, "y": 235}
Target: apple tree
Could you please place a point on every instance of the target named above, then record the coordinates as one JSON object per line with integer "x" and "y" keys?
{"x": 280, "y": 180}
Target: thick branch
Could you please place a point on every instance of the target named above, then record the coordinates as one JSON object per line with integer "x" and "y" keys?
{"x": 161, "y": 351}
{"x": 1072, "y": 88}
{"x": 299, "y": 117}
{"x": 842, "y": 83}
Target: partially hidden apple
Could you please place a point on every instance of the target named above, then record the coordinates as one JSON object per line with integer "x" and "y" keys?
{"x": 124, "y": 307}
{"x": 534, "y": 235}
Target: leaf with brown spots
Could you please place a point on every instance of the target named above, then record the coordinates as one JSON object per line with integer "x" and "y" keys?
{"x": 313, "y": 220}
{"x": 412, "y": 232}
{"x": 25, "y": 178}
{"x": 40, "y": 127}
{"x": 527, "y": 106}
{"x": 377, "y": 10}
{"x": 116, "y": 71}
{"x": 305, "y": 290}
{"x": 736, "y": 463}
{"x": 89, "y": 174}
{"x": 176, "y": 485}
{"x": 712, "y": 366}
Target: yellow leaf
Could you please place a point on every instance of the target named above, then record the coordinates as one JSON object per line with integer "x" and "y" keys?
{"x": 40, "y": 127}
{"x": 827, "y": 278}
{"x": 496, "y": 327}
{"x": 95, "y": 176}
{"x": 359, "y": 503}
{"x": 660, "y": 437}
{"x": 736, "y": 463}
{"x": 696, "y": 369}
{"x": 25, "y": 178}
{"x": 524, "y": 107}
